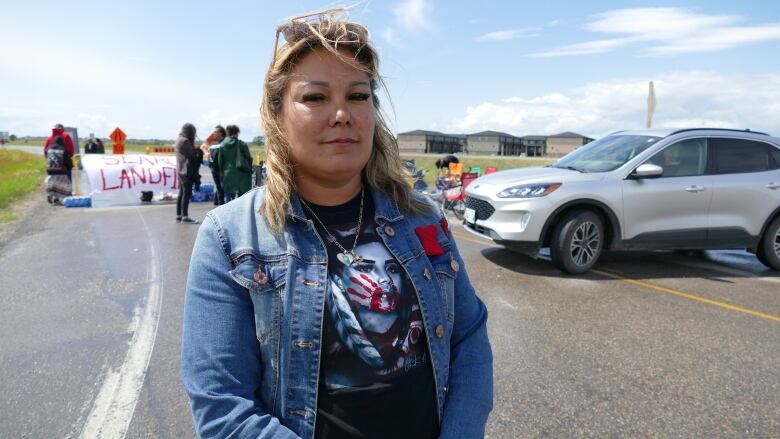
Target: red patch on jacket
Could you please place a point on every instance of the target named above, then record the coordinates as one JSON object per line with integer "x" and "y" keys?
{"x": 427, "y": 235}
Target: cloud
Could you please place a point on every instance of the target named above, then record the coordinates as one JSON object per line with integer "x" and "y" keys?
{"x": 66, "y": 67}
{"x": 94, "y": 123}
{"x": 720, "y": 39}
{"x": 661, "y": 23}
{"x": 389, "y": 35}
{"x": 504, "y": 35}
{"x": 409, "y": 15}
{"x": 695, "y": 98}
{"x": 88, "y": 89}
{"x": 666, "y": 31}
{"x": 247, "y": 122}
{"x": 413, "y": 14}
{"x": 587, "y": 48}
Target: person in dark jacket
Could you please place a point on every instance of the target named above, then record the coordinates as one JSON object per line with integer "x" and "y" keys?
{"x": 235, "y": 165}
{"x": 94, "y": 146}
{"x": 193, "y": 168}
{"x": 185, "y": 152}
{"x": 59, "y": 164}
{"x": 218, "y": 136}
{"x": 59, "y": 130}
{"x": 444, "y": 162}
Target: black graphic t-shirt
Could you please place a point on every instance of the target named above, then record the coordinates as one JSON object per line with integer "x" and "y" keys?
{"x": 376, "y": 379}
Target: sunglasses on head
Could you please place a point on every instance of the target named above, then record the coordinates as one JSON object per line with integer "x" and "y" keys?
{"x": 302, "y": 26}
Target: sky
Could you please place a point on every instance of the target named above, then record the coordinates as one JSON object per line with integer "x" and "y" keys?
{"x": 525, "y": 68}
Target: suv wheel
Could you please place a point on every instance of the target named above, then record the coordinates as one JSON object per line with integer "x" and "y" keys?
{"x": 577, "y": 242}
{"x": 769, "y": 249}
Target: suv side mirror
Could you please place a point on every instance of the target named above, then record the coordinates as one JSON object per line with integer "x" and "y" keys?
{"x": 647, "y": 170}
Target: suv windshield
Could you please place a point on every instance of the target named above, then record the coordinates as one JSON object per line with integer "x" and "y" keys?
{"x": 606, "y": 154}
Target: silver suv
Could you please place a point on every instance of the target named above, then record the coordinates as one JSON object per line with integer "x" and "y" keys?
{"x": 686, "y": 189}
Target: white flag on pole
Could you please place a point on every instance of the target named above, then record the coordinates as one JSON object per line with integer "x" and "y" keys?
{"x": 650, "y": 105}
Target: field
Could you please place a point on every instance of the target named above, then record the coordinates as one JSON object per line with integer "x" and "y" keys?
{"x": 422, "y": 161}
{"x": 20, "y": 174}
{"x": 427, "y": 161}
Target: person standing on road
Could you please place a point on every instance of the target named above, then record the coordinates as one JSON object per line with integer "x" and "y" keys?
{"x": 59, "y": 130}
{"x": 332, "y": 302}
{"x": 185, "y": 152}
{"x": 94, "y": 145}
{"x": 101, "y": 148}
{"x": 219, "y": 135}
{"x": 58, "y": 166}
{"x": 235, "y": 165}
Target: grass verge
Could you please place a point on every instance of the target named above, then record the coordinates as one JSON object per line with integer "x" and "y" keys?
{"x": 20, "y": 174}
{"x": 428, "y": 161}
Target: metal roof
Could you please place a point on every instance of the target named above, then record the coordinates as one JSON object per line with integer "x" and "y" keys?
{"x": 422, "y": 132}
{"x": 490, "y": 133}
{"x": 570, "y": 134}
{"x": 665, "y": 132}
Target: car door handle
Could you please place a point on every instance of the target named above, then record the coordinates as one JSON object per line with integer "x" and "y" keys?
{"x": 694, "y": 188}
{"x": 773, "y": 185}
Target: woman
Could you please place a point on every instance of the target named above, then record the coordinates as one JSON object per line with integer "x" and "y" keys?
{"x": 59, "y": 164}
{"x": 235, "y": 165}
{"x": 185, "y": 154}
{"x": 215, "y": 143}
{"x": 332, "y": 302}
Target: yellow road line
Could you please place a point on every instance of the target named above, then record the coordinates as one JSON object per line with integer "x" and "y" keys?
{"x": 689, "y": 296}
{"x": 656, "y": 287}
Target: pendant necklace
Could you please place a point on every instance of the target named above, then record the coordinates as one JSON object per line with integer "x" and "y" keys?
{"x": 346, "y": 257}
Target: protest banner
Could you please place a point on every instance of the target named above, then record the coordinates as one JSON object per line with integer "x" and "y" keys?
{"x": 119, "y": 179}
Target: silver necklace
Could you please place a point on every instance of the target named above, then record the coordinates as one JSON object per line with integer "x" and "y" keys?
{"x": 346, "y": 257}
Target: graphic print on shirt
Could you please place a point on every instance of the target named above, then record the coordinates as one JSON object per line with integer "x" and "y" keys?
{"x": 373, "y": 323}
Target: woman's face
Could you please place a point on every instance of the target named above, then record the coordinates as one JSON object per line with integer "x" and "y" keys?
{"x": 328, "y": 118}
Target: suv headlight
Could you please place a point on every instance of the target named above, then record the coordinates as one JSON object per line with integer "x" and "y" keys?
{"x": 529, "y": 190}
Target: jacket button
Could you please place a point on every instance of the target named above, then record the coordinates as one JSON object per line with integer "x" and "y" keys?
{"x": 260, "y": 277}
{"x": 389, "y": 231}
{"x": 440, "y": 331}
{"x": 427, "y": 274}
{"x": 455, "y": 266}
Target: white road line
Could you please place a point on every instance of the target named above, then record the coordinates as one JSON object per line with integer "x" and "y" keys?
{"x": 505, "y": 303}
{"x": 113, "y": 408}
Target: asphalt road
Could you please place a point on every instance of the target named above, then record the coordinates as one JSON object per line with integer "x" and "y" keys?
{"x": 647, "y": 345}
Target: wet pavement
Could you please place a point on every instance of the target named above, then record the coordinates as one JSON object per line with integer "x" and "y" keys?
{"x": 657, "y": 344}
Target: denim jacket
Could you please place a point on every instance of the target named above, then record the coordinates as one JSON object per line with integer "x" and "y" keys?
{"x": 253, "y": 322}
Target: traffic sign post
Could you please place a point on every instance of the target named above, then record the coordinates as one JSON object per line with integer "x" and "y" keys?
{"x": 118, "y": 137}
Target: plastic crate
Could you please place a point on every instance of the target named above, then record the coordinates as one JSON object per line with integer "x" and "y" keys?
{"x": 200, "y": 197}
{"x": 77, "y": 202}
{"x": 207, "y": 188}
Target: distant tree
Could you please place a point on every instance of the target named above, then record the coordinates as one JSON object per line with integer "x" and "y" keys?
{"x": 12, "y": 137}
{"x": 258, "y": 140}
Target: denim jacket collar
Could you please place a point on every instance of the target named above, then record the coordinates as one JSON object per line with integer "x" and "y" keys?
{"x": 295, "y": 211}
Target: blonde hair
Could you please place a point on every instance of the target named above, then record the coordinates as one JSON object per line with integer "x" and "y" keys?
{"x": 383, "y": 171}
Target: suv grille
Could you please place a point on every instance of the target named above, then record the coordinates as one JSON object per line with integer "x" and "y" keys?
{"x": 482, "y": 208}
